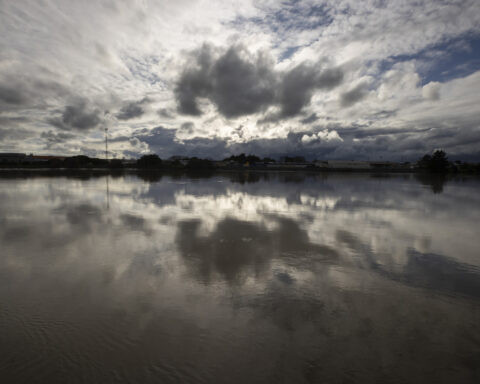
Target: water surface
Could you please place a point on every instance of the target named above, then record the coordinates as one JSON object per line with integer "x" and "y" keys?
{"x": 239, "y": 278}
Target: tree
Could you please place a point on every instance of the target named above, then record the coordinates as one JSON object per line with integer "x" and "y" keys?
{"x": 80, "y": 161}
{"x": 437, "y": 163}
{"x": 294, "y": 159}
{"x": 149, "y": 162}
{"x": 199, "y": 164}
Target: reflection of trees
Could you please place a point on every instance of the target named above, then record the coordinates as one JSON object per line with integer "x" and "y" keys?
{"x": 199, "y": 173}
{"x": 151, "y": 176}
{"x": 295, "y": 177}
{"x": 435, "y": 181}
{"x": 237, "y": 248}
{"x": 248, "y": 177}
{"x": 155, "y": 175}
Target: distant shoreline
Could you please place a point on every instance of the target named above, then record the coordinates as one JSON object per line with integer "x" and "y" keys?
{"x": 183, "y": 171}
{"x": 215, "y": 170}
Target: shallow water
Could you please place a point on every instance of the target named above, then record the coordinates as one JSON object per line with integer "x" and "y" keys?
{"x": 254, "y": 278}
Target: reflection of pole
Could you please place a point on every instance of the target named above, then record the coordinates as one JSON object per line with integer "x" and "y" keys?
{"x": 108, "y": 194}
{"x": 106, "y": 143}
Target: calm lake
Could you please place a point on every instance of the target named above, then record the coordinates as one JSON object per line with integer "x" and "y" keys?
{"x": 239, "y": 278}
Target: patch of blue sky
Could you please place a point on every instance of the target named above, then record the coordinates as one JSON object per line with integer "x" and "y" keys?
{"x": 292, "y": 17}
{"x": 143, "y": 69}
{"x": 289, "y": 52}
{"x": 448, "y": 60}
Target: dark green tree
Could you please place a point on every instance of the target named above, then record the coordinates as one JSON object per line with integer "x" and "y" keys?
{"x": 268, "y": 160}
{"x": 439, "y": 162}
{"x": 294, "y": 159}
{"x": 199, "y": 164}
{"x": 149, "y": 162}
{"x": 436, "y": 163}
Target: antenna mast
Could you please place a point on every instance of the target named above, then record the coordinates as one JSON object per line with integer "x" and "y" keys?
{"x": 106, "y": 143}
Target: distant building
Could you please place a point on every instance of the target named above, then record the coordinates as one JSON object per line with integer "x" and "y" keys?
{"x": 16, "y": 158}
{"x": 42, "y": 159}
{"x": 343, "y": 164}
{"x": 349, "y": 164}
{"x": 383, "y": 164}
{"x": 13, "y": 157}
{"x": 289, "y": 165}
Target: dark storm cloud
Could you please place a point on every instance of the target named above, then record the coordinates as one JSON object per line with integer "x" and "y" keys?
{"x": 243, "y": 85}
{"x": 194, "y": 81}
{"x": 19, "y": 91}
{"x": 384, "y": 114}
{"x": 298, "y": 85}
{"x": 237, "y": 82}
{"x": 12, "y": 121}
{"x": 10, "y": 95}
{"x": 132, "y": 110}
{"x": 357, "y": 93}
{"x": 53, "y": 138}
{"x": 163, "y": 142}
{"x": 77, "y": 116}
{"x": 14, "y": 134}
{"x": 12, "y": 128}
{"x": 240, "y": 83}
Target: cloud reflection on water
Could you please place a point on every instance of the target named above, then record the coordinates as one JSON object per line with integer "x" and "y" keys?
{"x": 312, "y": 275}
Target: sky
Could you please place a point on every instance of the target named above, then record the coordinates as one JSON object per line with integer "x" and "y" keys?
{"x": 357, "y": 80}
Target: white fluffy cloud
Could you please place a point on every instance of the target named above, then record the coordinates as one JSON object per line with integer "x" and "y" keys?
{"x": 323, "y": 137}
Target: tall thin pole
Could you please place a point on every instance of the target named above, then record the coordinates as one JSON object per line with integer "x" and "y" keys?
{"x": 106, "y": 143}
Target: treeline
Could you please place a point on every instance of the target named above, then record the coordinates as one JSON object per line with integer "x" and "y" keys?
{"x": 74, "y": 162}
{"x": 154, "y": 162}
{"x": 438, "y": 163}
{"x": 151, "y": 161}
{"x": 251, "y": 159}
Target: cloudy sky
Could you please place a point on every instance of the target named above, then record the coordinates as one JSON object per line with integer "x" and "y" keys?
{"x": 332, "y": 79}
